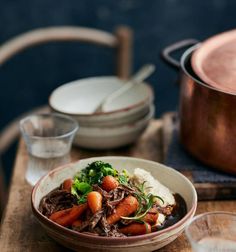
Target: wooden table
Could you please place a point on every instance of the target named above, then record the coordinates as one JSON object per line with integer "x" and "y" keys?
{"x": 21, "y": 232}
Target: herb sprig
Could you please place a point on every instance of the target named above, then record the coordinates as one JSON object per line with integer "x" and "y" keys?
{"x": 146, "y": 202}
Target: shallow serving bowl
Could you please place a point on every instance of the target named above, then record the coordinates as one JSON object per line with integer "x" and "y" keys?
{"x": 80, "y": 98}
{"x": 84, "y": 242}
{"x": 108, "y": 137}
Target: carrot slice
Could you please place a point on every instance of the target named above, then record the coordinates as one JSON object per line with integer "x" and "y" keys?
{"x": 67, "y": 184}
{"x": 94, "y": 200}
{"x": 125, "y": 208}
{"x": 68, "y": 216}
{"x": 109, "y": 183}
{"x": 76, "y": 223}
{"x": 136, "y": 229}
{"x": 150, "y": 218}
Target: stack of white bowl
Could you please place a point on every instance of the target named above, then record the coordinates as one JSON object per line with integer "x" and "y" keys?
{"x": 122, "y": 121}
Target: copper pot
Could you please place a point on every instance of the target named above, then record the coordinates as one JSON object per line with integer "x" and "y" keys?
{"x": 207, "y": 114}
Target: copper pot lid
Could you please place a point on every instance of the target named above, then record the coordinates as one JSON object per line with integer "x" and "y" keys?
{"x": 215, "y": 61}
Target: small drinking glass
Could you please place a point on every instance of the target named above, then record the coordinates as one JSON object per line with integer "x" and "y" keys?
{"x": 213, "y": 232}
{"x": 48, "y": 139}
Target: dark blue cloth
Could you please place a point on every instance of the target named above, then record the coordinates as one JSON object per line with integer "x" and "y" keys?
{"x": 179, "y": 159}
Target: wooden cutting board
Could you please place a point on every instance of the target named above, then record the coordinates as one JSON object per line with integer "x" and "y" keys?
{"x": 206, "y": 191}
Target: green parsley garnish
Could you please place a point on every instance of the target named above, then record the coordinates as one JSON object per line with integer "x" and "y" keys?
{"x": 93, "y": 174}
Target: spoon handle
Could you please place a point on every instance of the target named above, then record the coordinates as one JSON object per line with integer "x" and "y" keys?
{"x": 137, "y": 78}
{"x": 143, "y": 73}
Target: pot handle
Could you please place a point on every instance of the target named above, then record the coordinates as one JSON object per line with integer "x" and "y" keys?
{"x": 166, "y": 53}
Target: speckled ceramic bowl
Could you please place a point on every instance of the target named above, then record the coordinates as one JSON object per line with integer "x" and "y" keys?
{"x": 101, "y": 138}
{"x": 80, "y": 98}
{"x": 84, "y": 242}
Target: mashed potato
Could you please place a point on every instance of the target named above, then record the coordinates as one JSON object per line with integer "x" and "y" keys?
{"x": 154, "y": 186}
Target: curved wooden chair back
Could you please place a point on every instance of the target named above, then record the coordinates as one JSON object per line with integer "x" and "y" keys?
{"x": 121, "y": 41}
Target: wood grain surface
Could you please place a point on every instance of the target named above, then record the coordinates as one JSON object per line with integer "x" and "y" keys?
{"x": 21, "y": 232}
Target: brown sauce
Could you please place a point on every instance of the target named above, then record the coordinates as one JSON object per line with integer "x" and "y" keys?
{"x": 179, "y": 211}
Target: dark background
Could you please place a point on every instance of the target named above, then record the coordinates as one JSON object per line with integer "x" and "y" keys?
{"x": 28, "y": 79}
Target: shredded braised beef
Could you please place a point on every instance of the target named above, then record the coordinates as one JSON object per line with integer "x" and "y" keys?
{"x": 55, "y": 201}
{"x": 165, "y": 210}
{"x": 96, "y": 224}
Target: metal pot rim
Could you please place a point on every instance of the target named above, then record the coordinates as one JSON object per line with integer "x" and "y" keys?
{"x": 185, "y": 57}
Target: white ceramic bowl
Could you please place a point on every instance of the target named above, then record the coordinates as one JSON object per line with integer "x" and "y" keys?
{"x": 80, "y": 98}
{"x": 177, "y": 182}
{"x": 112, "y": 137}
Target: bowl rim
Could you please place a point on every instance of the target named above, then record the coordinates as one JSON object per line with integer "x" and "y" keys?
{"x": 120, "y": 129}
{"x": 148, "y": 99}
{"x": 113, "y": 240}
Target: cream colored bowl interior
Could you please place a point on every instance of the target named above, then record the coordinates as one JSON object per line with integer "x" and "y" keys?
{"x": 83, "y": 96}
